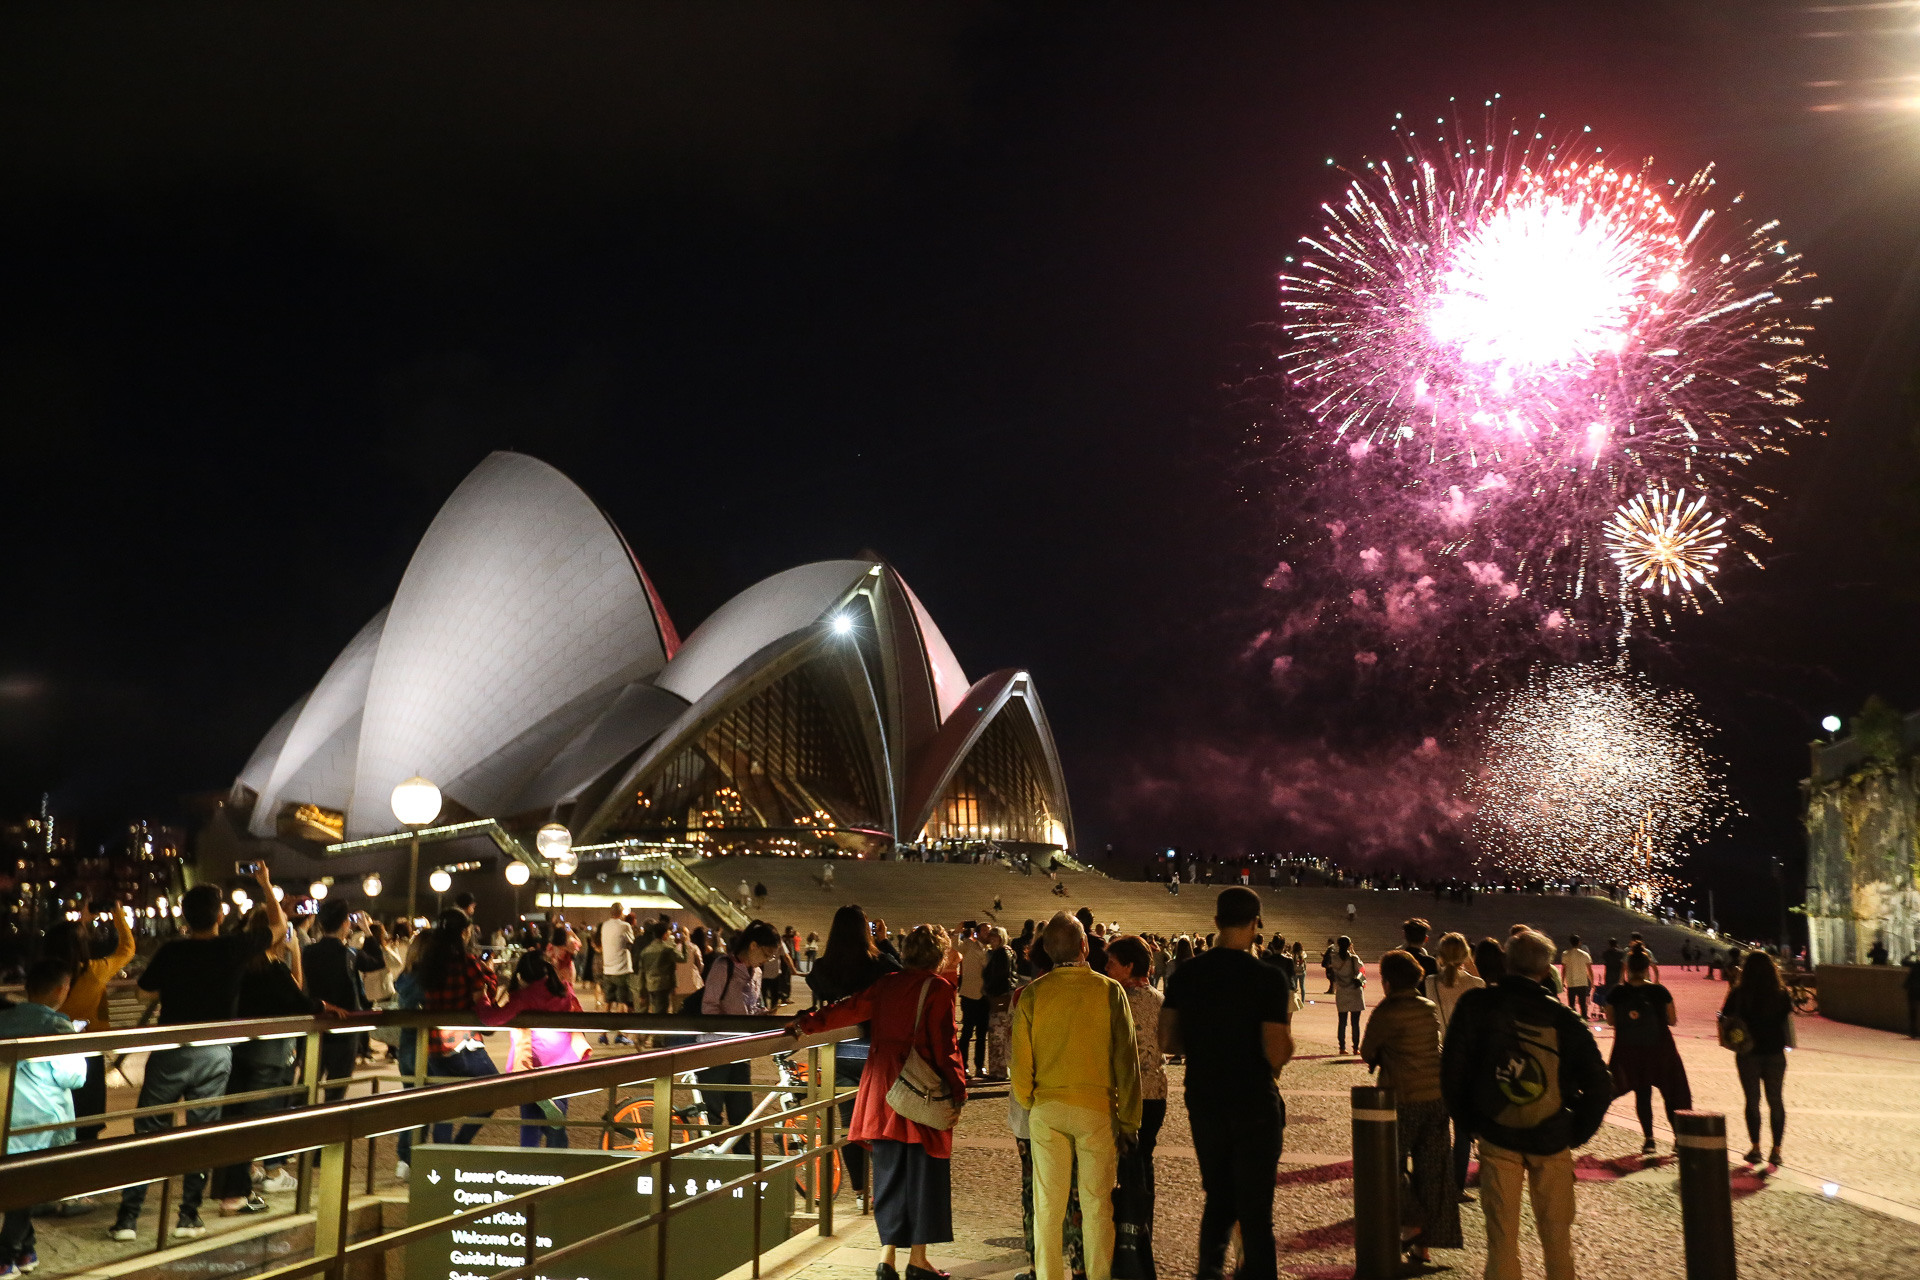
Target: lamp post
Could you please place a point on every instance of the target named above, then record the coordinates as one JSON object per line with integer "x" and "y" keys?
{"x": 517, "y": 874}
{"x": 416, "y": 802}
{"x": 440, "y": 881}
{"x": 555, "y": 844}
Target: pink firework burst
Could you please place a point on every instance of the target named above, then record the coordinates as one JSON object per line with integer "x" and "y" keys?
{"x": 1518, "y": 339}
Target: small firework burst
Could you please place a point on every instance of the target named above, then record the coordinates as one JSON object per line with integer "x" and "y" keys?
{"x": 1663, "y": 542}
{"x": 1593, "y": 772}
{"x": 1515, "y": 336}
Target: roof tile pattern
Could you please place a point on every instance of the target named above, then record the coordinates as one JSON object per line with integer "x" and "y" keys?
{"x": 521, "y": 599}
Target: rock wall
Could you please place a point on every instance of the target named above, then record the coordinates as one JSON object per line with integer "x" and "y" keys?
{"x": 1863, "y": 854}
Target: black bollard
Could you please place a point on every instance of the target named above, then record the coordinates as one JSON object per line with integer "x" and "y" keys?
{"x": 1706, "y": 1193}
{"x": 1376, "y": 1184}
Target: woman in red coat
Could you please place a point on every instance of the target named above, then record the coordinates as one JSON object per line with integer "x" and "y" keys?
{"x": 912, "y": 1164}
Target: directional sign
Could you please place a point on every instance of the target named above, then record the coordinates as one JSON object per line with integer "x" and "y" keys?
{"x": 703, "y": 1243}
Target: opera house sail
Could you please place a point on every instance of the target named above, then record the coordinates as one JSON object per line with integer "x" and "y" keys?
{"x": 527, "y": 666}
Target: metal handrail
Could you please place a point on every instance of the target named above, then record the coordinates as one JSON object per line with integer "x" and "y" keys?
{"x": 174, "y": 1035}
{"x": 62, "y": 1172}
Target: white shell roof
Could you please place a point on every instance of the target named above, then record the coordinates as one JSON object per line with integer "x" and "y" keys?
{"x": 520, "y": 601}
{"x": 949, "y": 681}
{"x": 315, "y": 764}
{"x": 524, "y": 656}
{"x": 259, "y": 766}
{"x": 763, "y": 613}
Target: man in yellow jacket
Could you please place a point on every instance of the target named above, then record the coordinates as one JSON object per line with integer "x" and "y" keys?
{"x": 1077, "y": 1073}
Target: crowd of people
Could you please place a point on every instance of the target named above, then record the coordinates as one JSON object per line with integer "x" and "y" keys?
{"x": 1485, "y": 1045}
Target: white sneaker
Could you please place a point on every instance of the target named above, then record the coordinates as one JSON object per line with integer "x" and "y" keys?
{"x": 402, "y": 1170}
{"x": 280, "y": 1180}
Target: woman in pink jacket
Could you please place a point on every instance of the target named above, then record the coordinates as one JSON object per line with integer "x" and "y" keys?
{"x": 536, "y": 988}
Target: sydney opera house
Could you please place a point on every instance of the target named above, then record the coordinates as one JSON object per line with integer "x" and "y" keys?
{"x": 527, "y": 666}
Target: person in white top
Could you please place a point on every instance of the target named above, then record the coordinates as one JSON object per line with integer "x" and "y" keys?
{"x": 616, "y": 962}
{"x": 974, "y": 1011}
{"x": 1576, "y": 974}
{"x": 1455, "y": 979}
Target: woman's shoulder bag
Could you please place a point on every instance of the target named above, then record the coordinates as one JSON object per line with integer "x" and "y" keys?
{"x": 920, "y": 1093}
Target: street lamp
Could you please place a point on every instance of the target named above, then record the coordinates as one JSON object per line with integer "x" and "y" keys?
{"x": 1832, "y": 725}
{"x": 439, "y": 882}
{"x": 371, "y": 886}
{"x": 317, "y": 890}
{"x": 416, "y": 802}
{"x": 555, "y": 844}
{"x": 518, "y": 873}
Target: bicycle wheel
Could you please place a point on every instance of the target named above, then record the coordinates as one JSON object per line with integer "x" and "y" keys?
{"x": 633, "y": 1128}
{"x": 795, "y": 1138}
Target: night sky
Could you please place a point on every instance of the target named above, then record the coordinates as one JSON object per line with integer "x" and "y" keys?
{"x": 974, "y": 286}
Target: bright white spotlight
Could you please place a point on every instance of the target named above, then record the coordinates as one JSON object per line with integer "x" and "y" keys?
{"x": 1831, "y": 724}
{"x": 842, "y": 624}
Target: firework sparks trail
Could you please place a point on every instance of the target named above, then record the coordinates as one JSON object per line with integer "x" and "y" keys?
{"x": 1591, "y": 771}
{"x": 1516, "y": 340}
{"x": 1662, "y": 541}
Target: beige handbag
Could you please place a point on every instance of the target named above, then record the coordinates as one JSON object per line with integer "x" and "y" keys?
{"x": 920, "y": 1093}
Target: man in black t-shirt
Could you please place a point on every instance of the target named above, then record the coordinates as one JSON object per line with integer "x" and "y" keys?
{"x": 331, "y": 968}
{"x": 195, "y": 979}
{"x": 1230, "y": 1014}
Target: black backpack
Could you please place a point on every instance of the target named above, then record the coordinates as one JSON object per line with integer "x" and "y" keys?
{"x": 690, "y": 1007}
{"x": 1518, "y": 1086}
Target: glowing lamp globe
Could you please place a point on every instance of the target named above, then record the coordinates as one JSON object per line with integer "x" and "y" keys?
{"x": 239, "y": 896}
{"x": 555, "y": 844}
{"x": 317, "y": 890}
{"x": 371, "y": 886}
{"x": 518, "y": 873}
{"x": 416, "y": 802}
{"x": 440, "y": 881}
{"x": 1831, "y": 724}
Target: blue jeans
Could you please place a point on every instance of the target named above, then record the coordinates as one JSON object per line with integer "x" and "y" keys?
{"x": 463, "y": 1062}
{"x": 186, "y": 1074}
{"x": 556, "y": 1134}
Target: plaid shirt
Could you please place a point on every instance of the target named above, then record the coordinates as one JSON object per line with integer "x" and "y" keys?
{"x": 467, "y": 987}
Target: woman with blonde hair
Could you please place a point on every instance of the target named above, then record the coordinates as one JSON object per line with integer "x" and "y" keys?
{"x": 909, "y": 1009}
{"x": 1455, "y": 979}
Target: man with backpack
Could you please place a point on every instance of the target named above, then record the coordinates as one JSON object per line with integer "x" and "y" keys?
{"x": 1521, "y": 1071}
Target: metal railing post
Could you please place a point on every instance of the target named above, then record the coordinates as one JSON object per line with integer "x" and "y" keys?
{"x": 663, "y": 1144}
{"x": 829, "y": 1113}
{"x": 1706, "y": 1194}
{"x": 310, "y": 1081}
{"x": 759, "y": 1194}
{"x": 6, "y": 1104}
{"x": 819, "y": 1089}
{"x": 330, "y": 1226}
{"x": 1376, "y": 1184}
